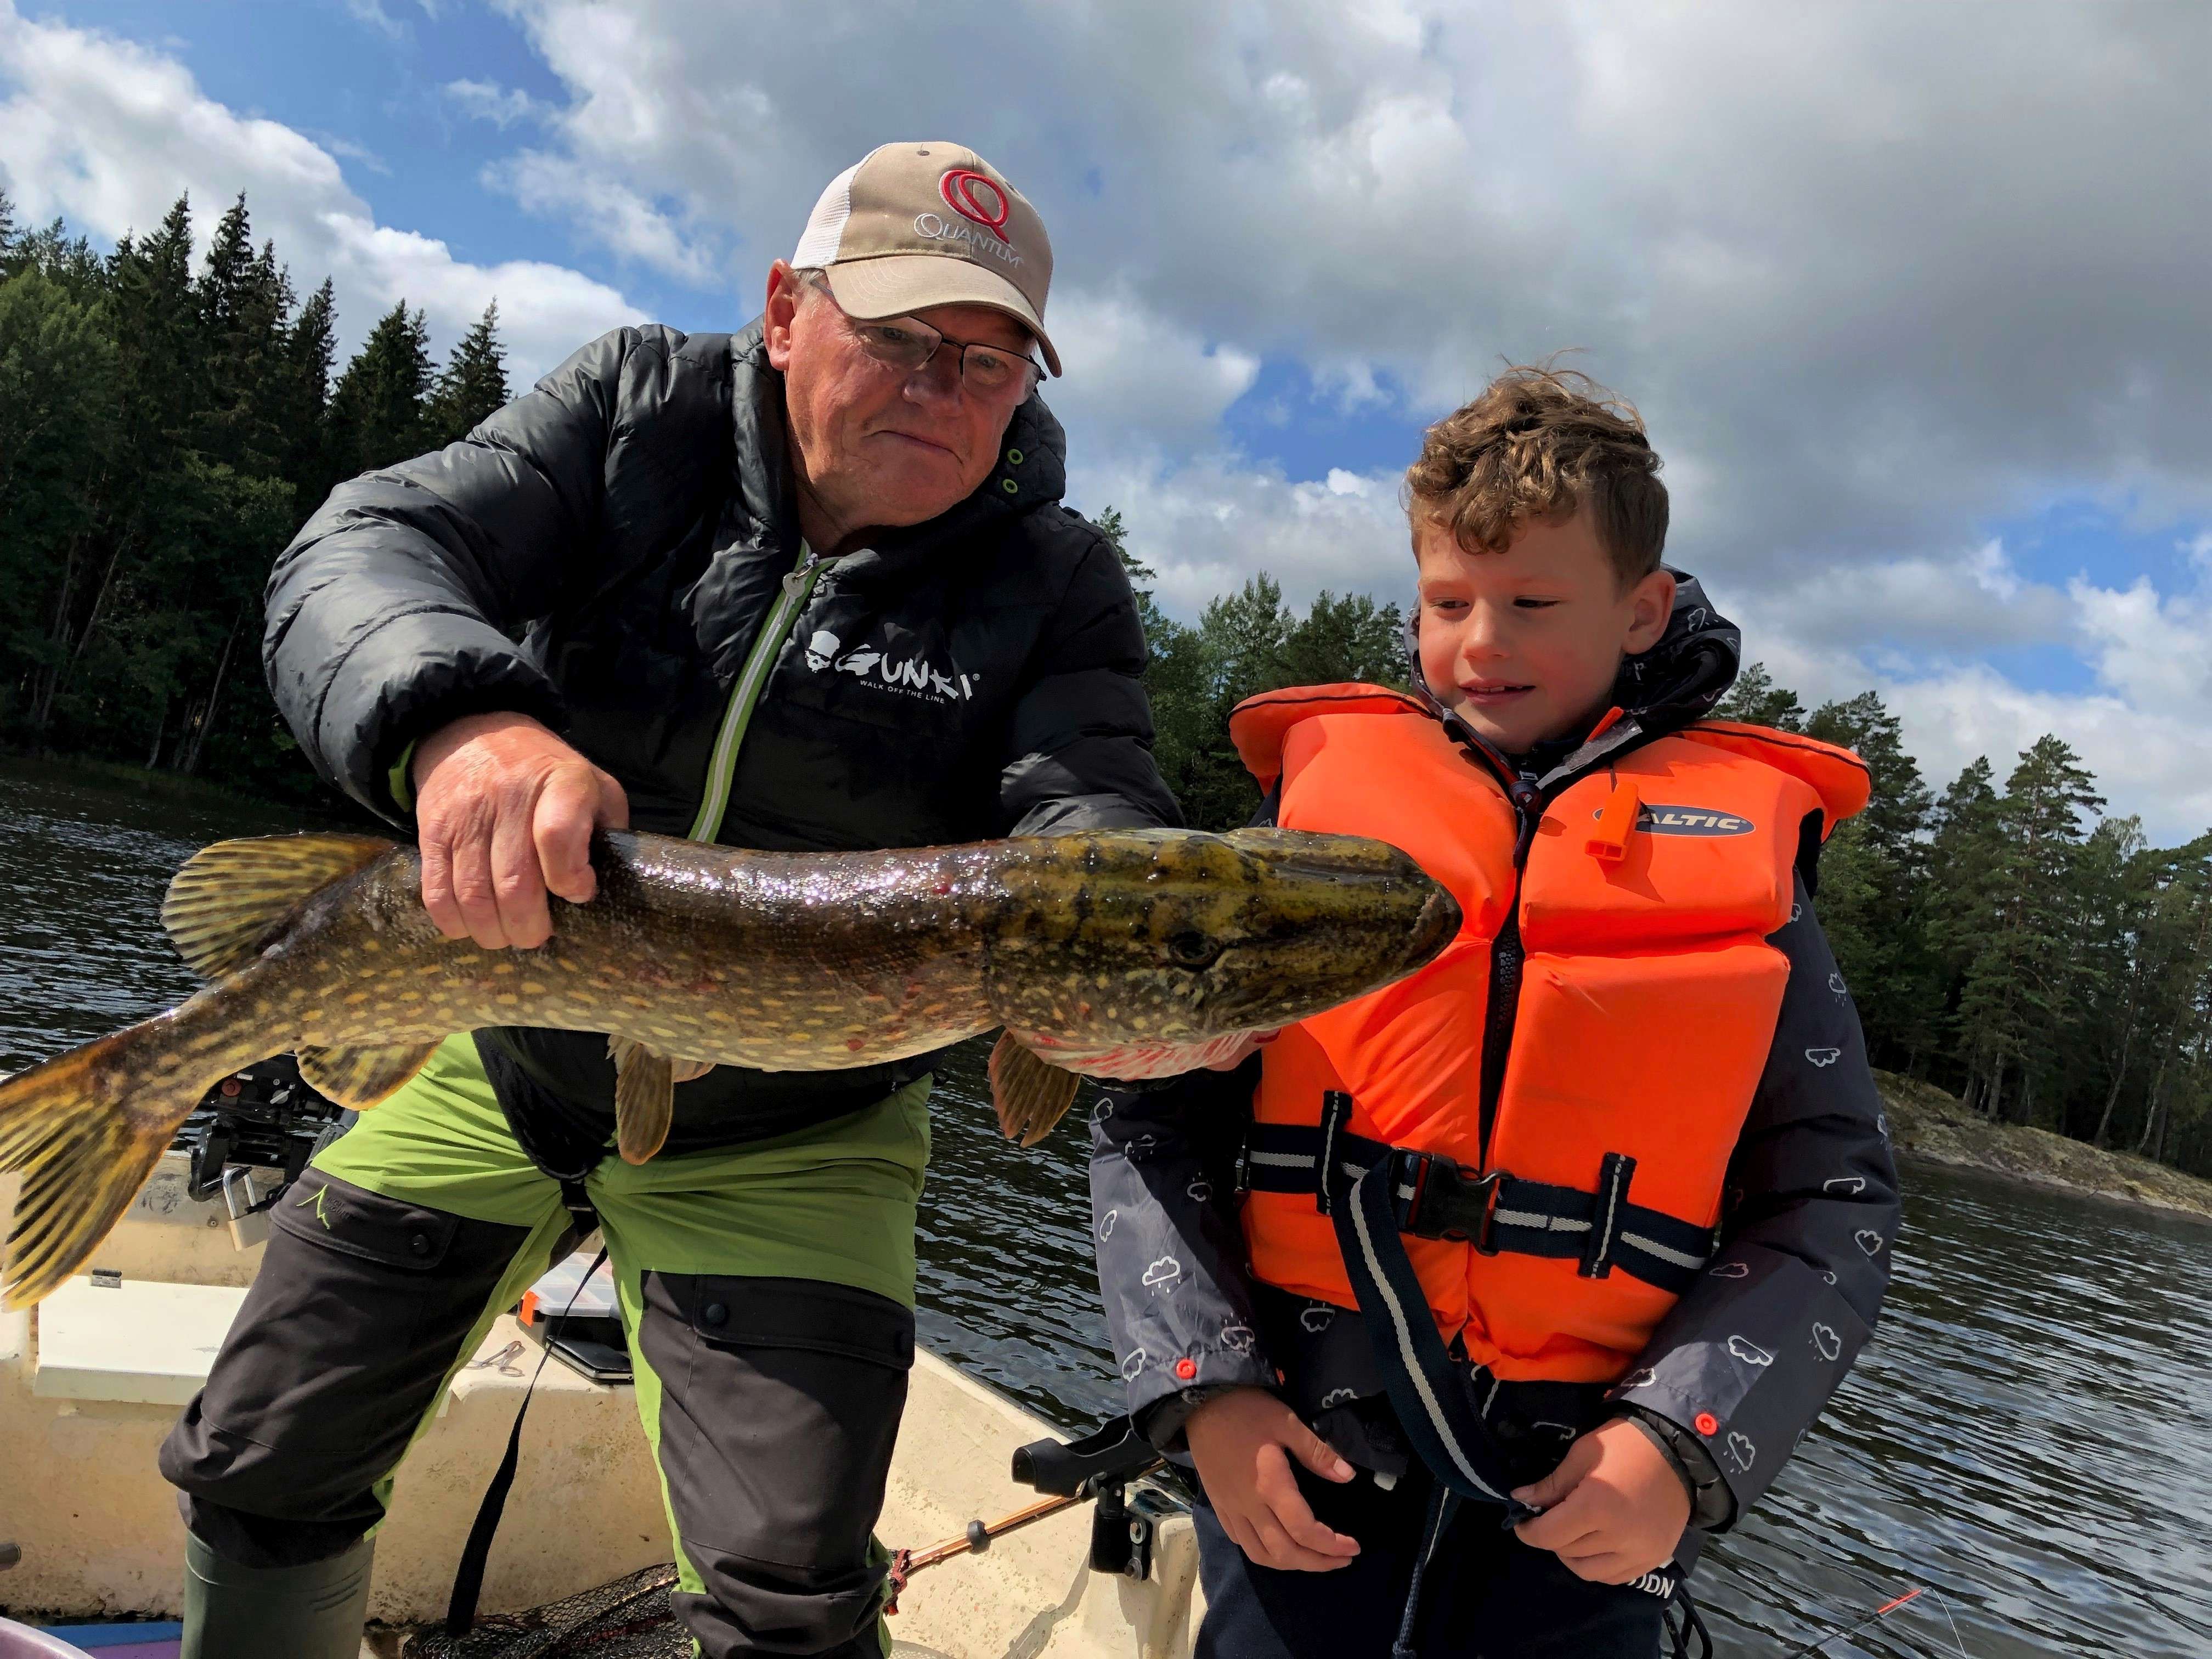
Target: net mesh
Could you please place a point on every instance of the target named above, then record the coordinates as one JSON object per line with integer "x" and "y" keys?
{"x": 627, "y": 1619}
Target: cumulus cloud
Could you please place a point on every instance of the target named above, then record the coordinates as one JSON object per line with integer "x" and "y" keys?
{"x": 1881, "y": 276}
{"x": 108, "y": 132}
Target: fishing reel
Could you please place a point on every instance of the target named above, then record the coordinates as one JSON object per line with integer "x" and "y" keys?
{"x": 265, "y": 1117}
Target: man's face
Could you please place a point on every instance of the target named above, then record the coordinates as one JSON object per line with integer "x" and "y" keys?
{"x": 1525, "y": 644}
{"x": 875, "y": 444}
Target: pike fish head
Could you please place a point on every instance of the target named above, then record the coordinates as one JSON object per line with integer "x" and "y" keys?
{"x": 1176, "y": 937}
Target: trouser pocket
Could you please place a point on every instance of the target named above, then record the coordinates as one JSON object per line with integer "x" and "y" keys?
{"x": 780, "y": 1404}
{"x": 359, "y": 1310}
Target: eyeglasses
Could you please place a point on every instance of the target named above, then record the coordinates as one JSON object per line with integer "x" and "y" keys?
{"x": 990, "y": 374}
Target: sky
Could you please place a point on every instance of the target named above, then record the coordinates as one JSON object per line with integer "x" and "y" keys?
{"x": 1914, "y": 298}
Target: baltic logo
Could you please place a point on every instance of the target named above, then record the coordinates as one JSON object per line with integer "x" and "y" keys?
{"x": 909, "y": 677}
{"x": 991, "y": 209}
{"x": 1655, "y": 819}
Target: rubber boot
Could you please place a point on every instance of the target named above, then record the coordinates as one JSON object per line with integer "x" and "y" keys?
{"x": 314, "y": 1611}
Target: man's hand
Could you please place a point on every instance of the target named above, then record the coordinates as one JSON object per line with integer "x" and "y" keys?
{"x": 1613, "y": 1510}
{"x": 505, "y": 812}
{"x": 1242, "y": 1441}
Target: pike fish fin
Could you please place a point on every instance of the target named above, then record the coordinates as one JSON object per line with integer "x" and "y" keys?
{"x": 645, "y": 1098}
{"x": 361, "y": 1078}
{"x": 231, "y": 899}
{"x": 1031, "y": 1093}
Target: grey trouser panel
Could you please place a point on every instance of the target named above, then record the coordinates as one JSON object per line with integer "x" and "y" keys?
{"x": 774, "y": 1398}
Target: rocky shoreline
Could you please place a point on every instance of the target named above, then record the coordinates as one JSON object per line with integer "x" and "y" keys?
{"x": 1926, "y": 1121}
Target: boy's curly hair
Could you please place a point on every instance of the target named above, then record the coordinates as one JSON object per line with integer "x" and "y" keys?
{"x": 1543, "y": 443}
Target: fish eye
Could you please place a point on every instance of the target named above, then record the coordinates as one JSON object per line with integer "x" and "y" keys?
{"x": 1192, "y": 949}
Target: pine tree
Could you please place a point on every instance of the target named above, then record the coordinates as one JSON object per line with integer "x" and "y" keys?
{"x": 474, "y": 382}
{"x": 377, "y": 413}
{"x": 1756, "y": 699}
{"x": 2027, "y": 970}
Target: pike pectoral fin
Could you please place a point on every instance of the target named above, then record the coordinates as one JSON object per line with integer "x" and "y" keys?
{"x": 1030, "y": 1094}
{"x": 360, "y": 1078}
{"x": 645, "y": 1098}
{"x": 232, "y": 898}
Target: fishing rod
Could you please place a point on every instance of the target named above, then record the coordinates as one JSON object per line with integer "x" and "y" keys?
{"x": 1097, "y": 1468}
{"x": 1837, "y": 1635}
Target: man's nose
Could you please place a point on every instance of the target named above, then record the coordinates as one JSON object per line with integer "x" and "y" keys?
{"x": 937, "y": 382}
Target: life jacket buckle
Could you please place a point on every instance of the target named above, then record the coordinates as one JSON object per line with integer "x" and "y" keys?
{"x": 1442, "y": 1183}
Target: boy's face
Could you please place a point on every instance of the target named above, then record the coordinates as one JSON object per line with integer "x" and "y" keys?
{"x": 1524, "y": 645}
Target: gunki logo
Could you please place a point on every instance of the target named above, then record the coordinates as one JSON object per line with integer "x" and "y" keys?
{"x": 909, "y": 677}
{"x": 1655, "y": 819}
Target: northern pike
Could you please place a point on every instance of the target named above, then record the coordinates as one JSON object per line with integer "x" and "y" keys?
{"x": 1121, "y": 953}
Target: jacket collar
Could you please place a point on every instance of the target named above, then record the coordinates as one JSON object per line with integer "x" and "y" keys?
{"x": 1031, "y": 473}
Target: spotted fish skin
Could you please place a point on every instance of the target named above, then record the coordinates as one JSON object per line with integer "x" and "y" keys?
{"x": 1089, "y": 948}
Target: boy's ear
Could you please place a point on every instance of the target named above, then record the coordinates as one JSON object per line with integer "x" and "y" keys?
{"x": 1651, "y": 602}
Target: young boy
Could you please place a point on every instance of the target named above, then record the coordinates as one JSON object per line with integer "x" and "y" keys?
{"x": 1476, "y": 1303}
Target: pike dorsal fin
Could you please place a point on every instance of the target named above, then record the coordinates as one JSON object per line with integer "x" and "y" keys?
{"x": 231, "y": 899}
{"x": 1031, "y": 1093}
{"x": 360, "y": 1078}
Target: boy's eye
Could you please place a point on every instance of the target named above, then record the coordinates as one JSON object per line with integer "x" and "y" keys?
{"x": 1527, "y": 603}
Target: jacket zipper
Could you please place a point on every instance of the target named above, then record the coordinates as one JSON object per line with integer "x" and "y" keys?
{"x": 798, "y": 587}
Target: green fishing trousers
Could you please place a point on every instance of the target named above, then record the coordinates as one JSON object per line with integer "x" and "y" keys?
{"x": 767, "y": 1289}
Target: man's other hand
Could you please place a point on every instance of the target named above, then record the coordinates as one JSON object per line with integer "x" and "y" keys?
{"x": 1613, "y": 1510}
{"x": 505, "y": 811}
{"x": 1242, "y": 1443}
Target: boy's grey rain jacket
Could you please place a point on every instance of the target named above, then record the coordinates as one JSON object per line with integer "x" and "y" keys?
{"x": 1762, "y": 1339}
{"x": 603, "y": 554}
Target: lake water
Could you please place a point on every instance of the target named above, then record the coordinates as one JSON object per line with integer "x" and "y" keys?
{"x": 2031, "y": 1433}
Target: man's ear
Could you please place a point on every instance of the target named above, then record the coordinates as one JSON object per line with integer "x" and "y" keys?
{"x": 1651, "y": 602}
{"x": 782, "y": 305}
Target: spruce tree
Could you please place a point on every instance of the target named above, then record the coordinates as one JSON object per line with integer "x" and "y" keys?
{"x": 378, "y": 411}
{"x": 474, "y": 382}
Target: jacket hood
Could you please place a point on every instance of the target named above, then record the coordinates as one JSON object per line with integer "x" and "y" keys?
{"x": 1676, "y": 682}
{"x": 1031, "y": 471}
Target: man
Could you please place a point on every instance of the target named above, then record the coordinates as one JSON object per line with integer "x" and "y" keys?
{"x": 808, "y": 587}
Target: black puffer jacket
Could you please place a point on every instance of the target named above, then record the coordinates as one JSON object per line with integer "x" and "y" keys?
{"x": 604, "y": 553}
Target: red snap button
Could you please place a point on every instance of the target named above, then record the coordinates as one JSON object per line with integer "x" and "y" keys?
{"x": 1185, "y": 1368}
{"x": 1707, "y": 1423}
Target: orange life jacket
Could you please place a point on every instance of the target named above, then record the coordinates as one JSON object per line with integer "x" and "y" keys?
{"x": 1648, "y": 993}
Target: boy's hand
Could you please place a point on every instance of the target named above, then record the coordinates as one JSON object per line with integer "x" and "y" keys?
{"x": 1242, "y": 1441}
{"x": 1613, "y": 1510}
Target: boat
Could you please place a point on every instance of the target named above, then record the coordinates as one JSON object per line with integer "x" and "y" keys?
{"x": 91, "y": 1380}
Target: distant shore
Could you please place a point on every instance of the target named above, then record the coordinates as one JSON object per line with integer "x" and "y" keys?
{"x": 1926, "y": 1121}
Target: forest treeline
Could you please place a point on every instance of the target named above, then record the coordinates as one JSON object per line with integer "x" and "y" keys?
{"x": 166, "y": 424}
{"x": 165, "y": 427}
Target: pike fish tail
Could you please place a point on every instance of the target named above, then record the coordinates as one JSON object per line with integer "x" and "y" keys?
{"x": 85, "y": 1128}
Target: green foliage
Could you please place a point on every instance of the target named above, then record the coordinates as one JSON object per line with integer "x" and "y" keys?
{"x": 1755, "y": 700}
{"x": 1244, "y": 643}
{"x": 164, "y": 428}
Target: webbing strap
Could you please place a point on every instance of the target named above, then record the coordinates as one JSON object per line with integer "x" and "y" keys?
{"x": 1435, "y": 1197}
{"x": 475, "y": 1554}
{"x": 1453, "y": 1440}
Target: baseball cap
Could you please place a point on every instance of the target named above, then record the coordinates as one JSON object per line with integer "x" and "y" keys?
{"x": 914, "y": 225}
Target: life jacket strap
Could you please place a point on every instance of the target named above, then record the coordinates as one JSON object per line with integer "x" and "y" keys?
{"x": 1435, "y": 1196}
{"x": 1428, "y": 1393}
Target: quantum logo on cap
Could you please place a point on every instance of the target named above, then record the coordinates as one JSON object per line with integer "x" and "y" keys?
{"x": 958, "y": 187}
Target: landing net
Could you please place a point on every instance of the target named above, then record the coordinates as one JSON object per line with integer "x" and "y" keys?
{"x": 627, "y": 1620}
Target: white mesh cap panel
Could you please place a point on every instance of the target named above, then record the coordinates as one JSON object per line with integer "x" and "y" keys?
{"x": 825, "y": 226}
